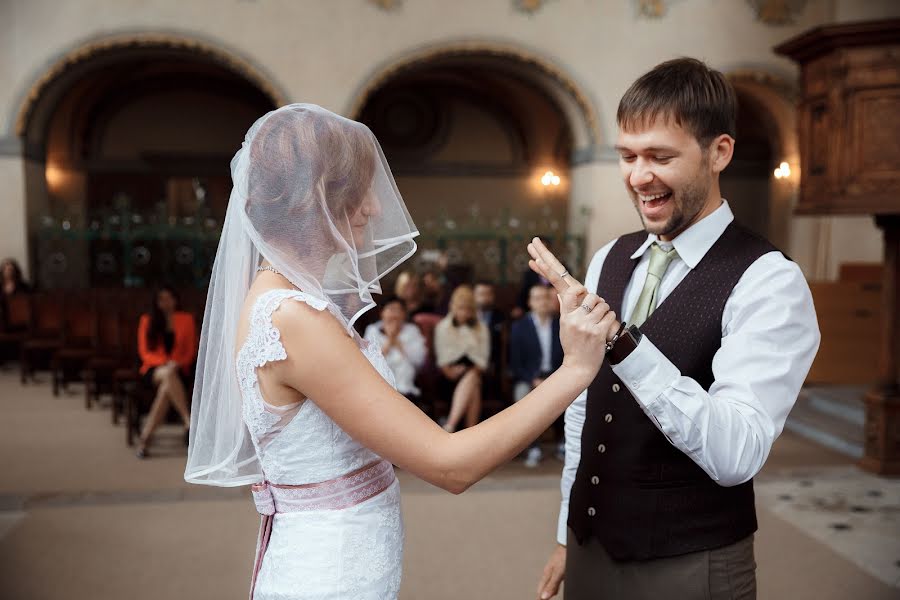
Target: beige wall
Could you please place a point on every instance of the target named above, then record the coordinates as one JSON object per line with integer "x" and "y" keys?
{"x": 13, "y": 241}
{"x": 325, "y": 52}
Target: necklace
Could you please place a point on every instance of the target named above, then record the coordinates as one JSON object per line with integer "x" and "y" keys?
{"x": 268, "y": 268}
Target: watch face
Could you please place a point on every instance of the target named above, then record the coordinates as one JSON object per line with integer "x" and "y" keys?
{"x": 634, "y": 332}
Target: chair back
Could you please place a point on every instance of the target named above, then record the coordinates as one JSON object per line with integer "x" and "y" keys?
{"x": 18, "y": 312}
{"x": 79, "y": 317}
{"x": 47, "y": 319}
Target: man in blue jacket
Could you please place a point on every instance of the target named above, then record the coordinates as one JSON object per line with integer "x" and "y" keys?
{"x": 534, "y": 353}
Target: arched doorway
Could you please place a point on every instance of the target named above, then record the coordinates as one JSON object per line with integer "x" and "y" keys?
{"x": 129, "y": 142}
{"x": 766, "y": 137}
{"x": 470, "y": 130}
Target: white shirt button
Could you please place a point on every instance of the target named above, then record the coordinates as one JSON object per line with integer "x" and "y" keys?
{"x": 595, "y": 480}
{"x": 608, "y": 418}
{"x": 616, "y": 387}
{"x": 592, "y": 511}
{"x": 601, "y": 448}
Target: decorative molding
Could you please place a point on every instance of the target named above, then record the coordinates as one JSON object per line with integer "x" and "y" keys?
{"x": 652, "y": 9}
{"x": 529, "y": 7}
{"x": 784, "y": 87}
{"x": 129, "y": 41}
{"x": 10, "y": 146}
{"x": 397, "y": 66}
{"x": 14, "y": 146}
{"x": 777, "y": 12}
{"x": 387, "y": 5}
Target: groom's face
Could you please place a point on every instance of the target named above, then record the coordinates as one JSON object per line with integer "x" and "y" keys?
{"x": 667, "y": 174}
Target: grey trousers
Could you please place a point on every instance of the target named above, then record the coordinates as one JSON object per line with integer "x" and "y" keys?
{"x": 727, "y": 573}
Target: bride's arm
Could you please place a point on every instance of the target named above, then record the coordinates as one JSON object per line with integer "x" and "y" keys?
{"x": 325, "y": 365}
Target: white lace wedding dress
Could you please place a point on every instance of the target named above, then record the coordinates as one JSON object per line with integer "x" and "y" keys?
{"x": 342, "y": 543}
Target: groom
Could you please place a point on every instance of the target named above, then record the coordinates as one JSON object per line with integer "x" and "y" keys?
{"x": 657, "y": 491}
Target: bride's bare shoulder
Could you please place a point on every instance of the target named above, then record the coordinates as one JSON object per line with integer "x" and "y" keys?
{"x": 306, "y": 320}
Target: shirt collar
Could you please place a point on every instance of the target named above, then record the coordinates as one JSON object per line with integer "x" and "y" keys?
{"x": 537, "y": 322}
{"x": 693, "y": 243}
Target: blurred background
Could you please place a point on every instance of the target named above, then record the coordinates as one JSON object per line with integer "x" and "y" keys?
{"x": 118, "y": 120}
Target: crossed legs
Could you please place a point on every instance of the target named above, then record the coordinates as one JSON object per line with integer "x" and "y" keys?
{"x": 169, "y": 392}
{"x": 466, "y": 400}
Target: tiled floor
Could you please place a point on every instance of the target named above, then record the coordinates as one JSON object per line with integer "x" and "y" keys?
{"x": 82, "y": 519}
{"x": 854, "y": 513}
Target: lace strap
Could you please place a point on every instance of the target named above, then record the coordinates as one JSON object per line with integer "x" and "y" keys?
{"x": 263, "y": 345}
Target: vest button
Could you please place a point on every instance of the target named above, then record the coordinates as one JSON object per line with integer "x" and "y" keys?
{"x": 601, "y": 448}
{"x": 608, "y": 418}
{"x": 595, "y": 480}
{"x": 616, "y": 387}
{"x": 592, "y": 511}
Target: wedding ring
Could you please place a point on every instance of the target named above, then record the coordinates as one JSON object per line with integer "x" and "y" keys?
{"x": 563, "y": 274}
{"x": 586, "y": 308}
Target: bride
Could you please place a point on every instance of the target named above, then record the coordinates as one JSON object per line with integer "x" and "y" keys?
{"x": 290, "y": 400}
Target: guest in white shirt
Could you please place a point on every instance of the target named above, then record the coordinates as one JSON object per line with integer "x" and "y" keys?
{"x": 402, "y": 345}
{"x": 462, "y": 352}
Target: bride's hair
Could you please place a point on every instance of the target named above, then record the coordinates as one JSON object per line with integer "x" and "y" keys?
{"x": 291, "y": 156}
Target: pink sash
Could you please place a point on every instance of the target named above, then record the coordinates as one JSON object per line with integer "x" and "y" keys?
{"x": 335, "y": 494}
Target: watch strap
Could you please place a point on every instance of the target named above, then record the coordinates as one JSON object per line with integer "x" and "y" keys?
{"x": 624, "y": 344}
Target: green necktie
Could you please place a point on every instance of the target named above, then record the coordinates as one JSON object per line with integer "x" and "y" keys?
{"x": 646, "y": 304}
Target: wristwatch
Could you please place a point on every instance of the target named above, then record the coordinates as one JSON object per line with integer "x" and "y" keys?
{"x": 623, "y": 343}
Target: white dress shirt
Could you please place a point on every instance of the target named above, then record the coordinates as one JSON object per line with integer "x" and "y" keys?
{"x": 406, "y": 362}
{"x": 769, "y": 339}
{"x": 545, "y": 339}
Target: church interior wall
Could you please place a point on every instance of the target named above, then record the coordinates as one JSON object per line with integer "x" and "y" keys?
{"x": 324, "y": 52}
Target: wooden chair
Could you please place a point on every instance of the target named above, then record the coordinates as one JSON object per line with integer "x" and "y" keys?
{"x": 45, "y": 333}
{"x": 77, "y": 347}
{"x": 109, "y": 351}
{"x": 15, "y": 326}
{"x": 126, "y": 376}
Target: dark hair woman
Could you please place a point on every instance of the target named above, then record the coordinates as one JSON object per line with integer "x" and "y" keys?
{"x": 167, "y": 344}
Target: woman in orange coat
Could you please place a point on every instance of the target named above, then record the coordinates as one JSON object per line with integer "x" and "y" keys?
{"x": 167, "y": 344}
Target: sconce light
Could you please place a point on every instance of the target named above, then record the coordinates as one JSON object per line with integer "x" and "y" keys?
{"x": 783, "y": 171}
{"x": 55, "y": 177}
{"x": 550, "y": 178}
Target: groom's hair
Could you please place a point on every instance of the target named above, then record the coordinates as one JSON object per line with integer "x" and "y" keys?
{"x": 686, "y": 90}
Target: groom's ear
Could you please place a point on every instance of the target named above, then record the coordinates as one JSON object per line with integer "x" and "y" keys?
{"x": 720, "y": 151}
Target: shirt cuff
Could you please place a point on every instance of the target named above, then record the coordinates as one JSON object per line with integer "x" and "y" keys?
{"x": 562, "y": 527}
{"x": 646, "y": 372}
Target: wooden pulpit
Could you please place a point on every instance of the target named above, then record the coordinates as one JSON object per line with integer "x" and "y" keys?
{"x": 849, "y": 120}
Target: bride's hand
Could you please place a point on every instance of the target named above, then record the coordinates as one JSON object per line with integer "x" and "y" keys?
{"x": 585, "y": 322}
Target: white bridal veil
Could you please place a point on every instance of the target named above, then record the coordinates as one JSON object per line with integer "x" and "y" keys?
{"x": 314, "y": 196}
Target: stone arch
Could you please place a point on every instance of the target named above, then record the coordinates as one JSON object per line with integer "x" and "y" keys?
{"x": 569, "y": 95}
{"x": 43, "y": 85}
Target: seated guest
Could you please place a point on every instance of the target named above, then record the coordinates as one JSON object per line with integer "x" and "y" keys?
{"x": 535, "y": 353}
{"x": 13, "y": 283}
{"x": 488, "y": 314}
{"x": 434, "y": 287}
{"x": 462, "y": 352}
{"x": 167, "y": 344}
{"x": 408, "y": 288}
{"x": 494, "y": 320}
{"x": 402, "y": 344}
